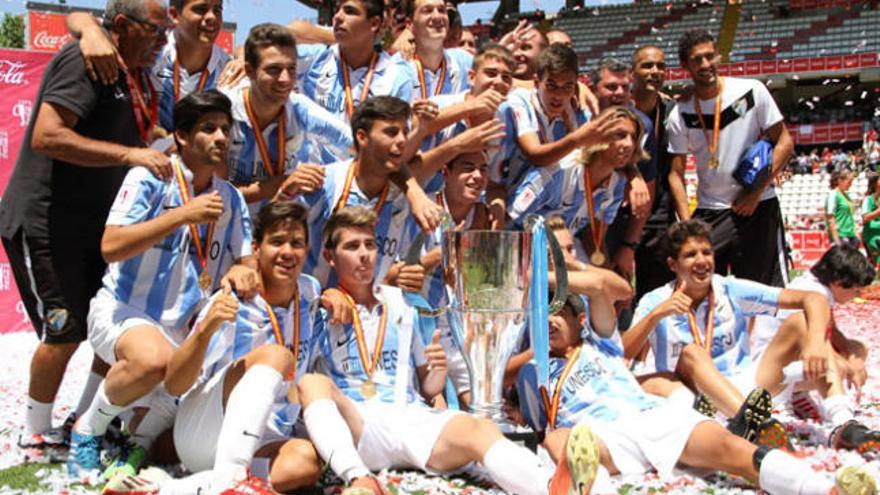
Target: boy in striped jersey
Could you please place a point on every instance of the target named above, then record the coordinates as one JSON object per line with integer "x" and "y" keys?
{"x": 342, "y": 76}
{"x": 169, "y": 244}
{"x": 276, "y": 129}
{"x": 438, "y": 70}
{"x": 593, "y": 396}
{"x": 239, "y": 362}
{"x": 700, "y": 321}
{"x": 370, "y": 414}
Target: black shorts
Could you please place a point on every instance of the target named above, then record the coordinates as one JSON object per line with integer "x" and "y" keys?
{"x": 652, "y": 271}
{"x": 749, "y": 247}
{"x": 57, "y": 277}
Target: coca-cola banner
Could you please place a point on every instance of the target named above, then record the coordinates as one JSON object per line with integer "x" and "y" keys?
{"x": 47, "y": 31}
{"x": 20, "y": 74}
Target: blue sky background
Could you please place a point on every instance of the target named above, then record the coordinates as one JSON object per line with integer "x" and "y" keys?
{"x": 247, "y": 13}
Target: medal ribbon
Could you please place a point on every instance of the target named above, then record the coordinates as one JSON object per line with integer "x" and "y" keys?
{"x": 423, "y": 84}
{"x": 369, "y": 365}
{"x": 716, "y": 125}
{"x": 595, "y": 224}
{"x": 552, "y": 407}
{"x": 278, "y": 168}
{"x": 346, "y": 82}
{"x": 203, "y": 79}
{"x": 194, "y": 229}
{"x": 710, "y": 324}
{"x": 144, "y": 112}
{"x": 279, "y": 338}
{"x": 346, "y": 191}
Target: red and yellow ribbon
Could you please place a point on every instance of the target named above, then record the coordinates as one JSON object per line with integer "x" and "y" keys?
{"x": 552, "y": 406}
{"x": 423, "y": 84}
{"x": 279, "y": 337}
{"x": 346, "y": 191}
{"x": 145, "y": 112}
{"x": 201, "y": 250}
{"x": 203, "y": 79}
{"x": 365, "y": 90}
{"x": 369, "y": 365}
{"x": 278, "y": 168}
{"x": 716, "y": 125}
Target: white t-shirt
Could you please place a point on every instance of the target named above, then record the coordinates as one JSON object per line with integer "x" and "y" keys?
{"x": 747, "y": 109}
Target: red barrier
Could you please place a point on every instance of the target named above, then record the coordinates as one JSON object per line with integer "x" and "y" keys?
{"x": 807, "y": 247}
{"x": 826, "y": 133}
{"x": 47, "y": 31}
{"x": 20, "y": 74}
{"x": 785, "y": 66}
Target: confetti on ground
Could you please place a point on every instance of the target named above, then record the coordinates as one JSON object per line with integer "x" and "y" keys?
{"x": 860, "y": 319}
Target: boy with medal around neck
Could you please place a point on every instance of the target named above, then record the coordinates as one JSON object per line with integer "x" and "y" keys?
{"x": 720, "y": 121}
{"x": 342, "y": 76}
{"x": 275, "y": 128}
{"x": 594, "y": 400}
{"x": 699, "y": 321}
{"x": 168, "y": 244}
{"x": 237, "y": 369}
{"x": 438, "y": 70}
{"x": 368, "y": 415}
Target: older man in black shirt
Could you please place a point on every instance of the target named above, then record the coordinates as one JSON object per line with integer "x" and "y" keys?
{"x": 78, "y": 146}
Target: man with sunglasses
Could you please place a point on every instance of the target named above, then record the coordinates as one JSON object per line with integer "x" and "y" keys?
{"x": 81, "y": 140}
{"x": 189, "y": 61}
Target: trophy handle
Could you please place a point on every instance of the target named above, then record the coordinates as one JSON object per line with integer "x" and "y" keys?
{"x": 561, "y": 292}
{"x": 414, "y": 252}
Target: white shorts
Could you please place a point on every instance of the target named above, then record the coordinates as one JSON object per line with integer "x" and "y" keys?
{"x": 650, "y": 440}
{"x": 399, "y": 436}
{"x": 745, "y": 381}
{"x": 109, "y": 318}
{"x": 456, "y": 367}
{"x": 199, "y": 420}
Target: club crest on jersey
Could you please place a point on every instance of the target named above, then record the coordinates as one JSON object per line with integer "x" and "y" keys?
{"x": 56, "y": 319}
{"x": 741, "y": 106}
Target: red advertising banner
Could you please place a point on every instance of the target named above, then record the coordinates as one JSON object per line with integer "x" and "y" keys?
{"x": 20, "y": 74}
{"x": 807, "y": 247}
{"x": 47, "y": 31}
{"x": 785, "y": 66}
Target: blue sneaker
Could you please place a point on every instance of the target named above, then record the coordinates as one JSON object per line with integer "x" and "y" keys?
{"x": 84, "y": 455}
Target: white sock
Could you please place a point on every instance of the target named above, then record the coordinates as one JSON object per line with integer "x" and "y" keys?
{"x": 602, "y": 484}
{"x": 244, "y": 421}
{"x": 682, "y": 397}
{"x": 98, "y": 415}
{"x": 159, "y": 417}
{"x": 332, "y": 439}
{"x": 38, "y": 418}
{"x": 837, "y": 409}
{"x": 782, "y": 474}
{"x": 516, "y": 469}
{"x": 88, "y": 393}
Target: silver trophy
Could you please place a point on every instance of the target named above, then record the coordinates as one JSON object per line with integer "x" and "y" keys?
{"x": 490, "y": 273}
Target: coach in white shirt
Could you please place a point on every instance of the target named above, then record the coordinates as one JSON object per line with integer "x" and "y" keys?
{"x": 717, "y": 124}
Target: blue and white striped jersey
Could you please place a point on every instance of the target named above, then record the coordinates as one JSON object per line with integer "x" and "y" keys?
{"x": 402, "y": 350}
{"x": 163, "y": 280}
{"x": 162, "y": 77}
{"x": 321, "y": 79}
{"x": 522, "y": 114}
{"x": 455, "y": 79}
{"x": 736, "y": 300}
{"x": 312, "y": 135}
{"x": 390, "y": 226}
{"x": 607, "y": 197}
{"x": 599, "y": 387}
{"x": 253, "y": 328}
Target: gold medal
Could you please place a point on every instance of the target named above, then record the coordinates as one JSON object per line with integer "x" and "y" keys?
{"x": 368, "y": 389}
{"x": 292, "y": 394}
{"x": 713, "y": 162}
{"x": 205, "y": 281}
{"x": 597, "y": 258}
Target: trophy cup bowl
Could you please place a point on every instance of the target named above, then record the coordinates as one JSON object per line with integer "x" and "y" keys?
{"x": 489, "y": 273}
